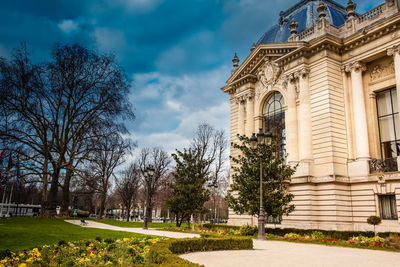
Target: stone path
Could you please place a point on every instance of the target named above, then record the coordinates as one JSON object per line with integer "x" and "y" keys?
{"x": 93, "y": 224}
{"x": 273, "y": 253}
{"x": 276, "y": 253}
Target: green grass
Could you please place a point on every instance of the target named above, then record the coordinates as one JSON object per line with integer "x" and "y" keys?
{"x": 26, "y": 233}
{"x": 134, "y": 224}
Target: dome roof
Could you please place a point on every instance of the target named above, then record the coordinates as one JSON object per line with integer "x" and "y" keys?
{"x": 306, "y": 15}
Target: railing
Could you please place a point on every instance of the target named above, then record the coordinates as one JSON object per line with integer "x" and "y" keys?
{"x": 371, "y": 14}
{"x": 383, "y": 165}
{"x": 306, "y": 33}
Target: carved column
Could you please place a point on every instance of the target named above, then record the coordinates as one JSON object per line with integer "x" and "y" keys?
{"x": 360, "y": 115}
{"x": 250, "y": 114}
{"x": 291, "y": 121}
{"x": 305, "y": 133}
{"x": 395, "y": 52}
{"x": 241, "y": 116}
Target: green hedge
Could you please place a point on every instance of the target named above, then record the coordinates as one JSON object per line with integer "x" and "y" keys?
{"x": 220, "y": 226}
{"x": 165, "y": 252}
{"x": 344, "y": 235}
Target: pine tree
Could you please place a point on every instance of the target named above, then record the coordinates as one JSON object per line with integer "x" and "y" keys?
{"x": 245, "y": 194}
{"x": 188, "y": 190}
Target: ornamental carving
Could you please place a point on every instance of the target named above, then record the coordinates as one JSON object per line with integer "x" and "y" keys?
{"x": 393, "y": 50}
{"x": 356, "y": 66}
{"x": 382, "y": 71}
{"x": 269, "y": 73}
{"x": 269, "y": 76}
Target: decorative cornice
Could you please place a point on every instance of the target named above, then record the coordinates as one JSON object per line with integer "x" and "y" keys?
{"x": 393, "y": 50}
{"x": 355, "y": 66}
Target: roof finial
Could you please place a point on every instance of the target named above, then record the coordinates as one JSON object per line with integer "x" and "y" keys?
{"x": 235, "y": 61}
{"x": 253, "y": 47}
{"x": 293, "y": 27}
{"x": 321, "y": 9}
{"x": 350, "y": 9}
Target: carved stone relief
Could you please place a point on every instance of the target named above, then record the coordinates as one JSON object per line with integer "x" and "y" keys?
{"x": 380, "y": 71}
{"x": 269, "y": 76}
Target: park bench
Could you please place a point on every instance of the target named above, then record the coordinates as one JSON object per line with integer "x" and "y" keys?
{"x": 83, "y": 222}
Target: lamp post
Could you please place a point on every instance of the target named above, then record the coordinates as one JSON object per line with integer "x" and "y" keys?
{"x": 148, "y": 172}
{"x": 213, "y": 187}
{"x": 256, "y": 142}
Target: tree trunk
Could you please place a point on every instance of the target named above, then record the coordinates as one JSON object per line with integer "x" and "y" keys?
{"x": 43, "y": 204}
{"x": 102, "y": 204}
{"x": 52, "y": 203}
{"x": 65, "y": 194}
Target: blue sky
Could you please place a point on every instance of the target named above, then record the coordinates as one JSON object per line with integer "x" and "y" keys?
{"x": 177, "y": 52}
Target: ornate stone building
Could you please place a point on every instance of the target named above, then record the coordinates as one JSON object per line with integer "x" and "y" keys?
{"x": 324, "y": 79}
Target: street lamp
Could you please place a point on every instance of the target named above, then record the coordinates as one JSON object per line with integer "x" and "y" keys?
{"x": 255, "y": 141}
{"x": 213, "y": 187}
{"x": 148, "y": 172}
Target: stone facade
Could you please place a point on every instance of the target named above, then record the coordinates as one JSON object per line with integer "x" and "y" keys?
{"x": 330, "y": 78}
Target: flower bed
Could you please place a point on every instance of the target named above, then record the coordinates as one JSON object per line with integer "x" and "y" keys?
{"x": 318, "y": 237}
{"x": 128, "y": 251}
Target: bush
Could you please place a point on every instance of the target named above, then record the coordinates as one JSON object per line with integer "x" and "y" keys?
{"x": 164, "y": 252}
{"x": 374, "y": 220}
{"x": 344, "y": 235}
{"x": 247, "y": 230}
{"x": 317, "y": 235}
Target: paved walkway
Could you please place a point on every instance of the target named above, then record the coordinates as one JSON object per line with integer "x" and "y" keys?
{"x": 276, "y": 253}
{"x": 92, "y": 224}
{"x": 273, "y": 253}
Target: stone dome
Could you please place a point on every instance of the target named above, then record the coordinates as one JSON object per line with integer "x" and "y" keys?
{"x": 306, "y": 15}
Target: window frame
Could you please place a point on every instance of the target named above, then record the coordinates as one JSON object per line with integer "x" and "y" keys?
{"x": 392, "y": 115}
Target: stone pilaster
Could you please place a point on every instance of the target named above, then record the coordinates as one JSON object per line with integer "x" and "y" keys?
{"x": 242, "y": 114}
{"x": 395, "y": 52}
{"x": 304, "y": 118}
{"x": 291, "y": 121}
{"x": 360, "y": 115}
{"x": 249, "y": 114}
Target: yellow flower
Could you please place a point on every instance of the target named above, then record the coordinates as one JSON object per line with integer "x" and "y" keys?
{"x": 92, "y": 255}
{"x": 22, "y": 265}
{"x": 29, "y": 260}
{"x": 108, "y": 263}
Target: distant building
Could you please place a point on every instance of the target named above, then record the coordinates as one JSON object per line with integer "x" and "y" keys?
{"x": 324, "y": 81}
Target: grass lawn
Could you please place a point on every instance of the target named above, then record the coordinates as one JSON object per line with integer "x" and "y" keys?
{"x": 25, "y": 233}
{"x": 134, "y": 224}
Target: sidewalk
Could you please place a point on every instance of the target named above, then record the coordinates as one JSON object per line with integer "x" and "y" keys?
{"x": 92, "y": 224}
{"x": 278, "y": 253}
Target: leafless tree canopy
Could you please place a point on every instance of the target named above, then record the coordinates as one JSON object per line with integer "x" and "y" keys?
{"x": 50, "y": 110}
{"x": 127, "y": 187}
{"x": 160, "y": 161}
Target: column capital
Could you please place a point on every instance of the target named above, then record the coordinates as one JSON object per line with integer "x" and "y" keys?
{"x": 302, "y": 73}
{"x": 393, "y": 50}
{"x": 240, "y": 99}
{"x": 249, "y": 96}
{"x": 355, "y": 66}
{"x": 289, "y": 78}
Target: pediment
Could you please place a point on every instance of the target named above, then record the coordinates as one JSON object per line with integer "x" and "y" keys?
{"x": 259, "y": 65}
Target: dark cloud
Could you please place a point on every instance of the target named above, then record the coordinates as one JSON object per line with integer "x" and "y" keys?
{"x": 178, "y": 52}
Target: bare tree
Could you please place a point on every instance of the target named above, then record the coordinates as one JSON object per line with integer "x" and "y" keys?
{"x": 108, "y": 153}
{"x": 51, "y": 109}
{"x": 160, "y": 161}
{"x": 210, "y": 145}
{"x": 127, "y": 188}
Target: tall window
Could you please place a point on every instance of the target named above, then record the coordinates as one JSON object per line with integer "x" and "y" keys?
{"x": 274, "y": 119}
{"x": 389, "y": 130}
{"x": 387, "y": 205}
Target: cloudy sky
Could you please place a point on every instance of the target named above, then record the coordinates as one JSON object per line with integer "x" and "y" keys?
{"x": 177, "y": 52}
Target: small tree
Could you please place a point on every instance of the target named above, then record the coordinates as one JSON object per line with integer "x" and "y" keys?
{"x": 374, "y": 220}
{"x": 188, "y": 190}
{"x": 246, "y": 180}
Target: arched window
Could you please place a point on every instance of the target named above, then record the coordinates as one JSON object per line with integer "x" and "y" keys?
{"x": 274, "y": 119}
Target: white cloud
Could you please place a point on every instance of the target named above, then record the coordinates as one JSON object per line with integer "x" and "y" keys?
{"x": 183, "y": 102}
{"x": 68, "y": 26}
